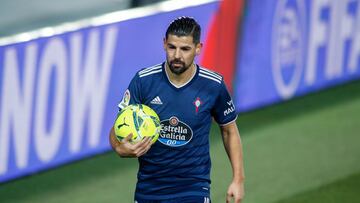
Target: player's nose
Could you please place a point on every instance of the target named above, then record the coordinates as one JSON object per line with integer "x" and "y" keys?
{"x": 177, "y": 54}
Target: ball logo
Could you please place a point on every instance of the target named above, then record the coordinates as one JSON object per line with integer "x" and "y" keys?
{"x": 174, "y": 132}
{"x": 288, "y": 46}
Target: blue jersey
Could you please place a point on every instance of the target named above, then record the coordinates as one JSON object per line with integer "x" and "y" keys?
{"x": 178, "y": 164}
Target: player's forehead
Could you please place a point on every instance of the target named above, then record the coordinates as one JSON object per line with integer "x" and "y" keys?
{"x": 180, "y": 41}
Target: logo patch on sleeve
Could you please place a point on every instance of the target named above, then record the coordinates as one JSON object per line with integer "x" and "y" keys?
{"x": 230, "y": 109}
{"x": 125, "y": 100}
{"x": 175, "y": 133}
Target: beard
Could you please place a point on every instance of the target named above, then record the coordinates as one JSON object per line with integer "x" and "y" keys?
{"x": 177, "y": 67}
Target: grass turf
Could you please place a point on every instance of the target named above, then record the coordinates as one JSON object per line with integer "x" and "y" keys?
{"x": 297, "y": 145}
{"x": 345, "y": 191}
{"x": 289, "y": 148}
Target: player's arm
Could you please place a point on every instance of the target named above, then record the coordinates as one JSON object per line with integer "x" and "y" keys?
{"x": 233, "y": 147}
{"x": 126, "y": 149}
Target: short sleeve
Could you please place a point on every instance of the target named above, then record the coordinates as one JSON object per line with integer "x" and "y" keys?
{"x": 132, "y": 94}
{"x": 224, "y": 109}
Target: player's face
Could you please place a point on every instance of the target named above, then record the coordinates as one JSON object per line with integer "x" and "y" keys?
{"x": 180, "y": 52}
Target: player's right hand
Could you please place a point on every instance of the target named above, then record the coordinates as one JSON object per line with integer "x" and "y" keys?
{"x": 126, "y": 149}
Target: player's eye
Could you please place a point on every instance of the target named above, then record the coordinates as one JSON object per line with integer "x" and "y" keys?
{"x": 185, "y": 48}
{"x": 171, "y": 47}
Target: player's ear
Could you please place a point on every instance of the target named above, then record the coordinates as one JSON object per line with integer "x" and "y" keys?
{"x": 198, "y": 48}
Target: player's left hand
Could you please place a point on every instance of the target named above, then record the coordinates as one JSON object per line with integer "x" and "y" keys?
{"x": 236, "y": 192}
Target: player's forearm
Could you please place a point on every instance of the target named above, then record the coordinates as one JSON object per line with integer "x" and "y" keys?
{"x": 233, "y": 147}
{"x": 116, "y": 145}
{"x": 112, "y": 140}
{"x": 126, "y": 149}
{"x": 234, "y": 150}
{"x": 236, "y": 157}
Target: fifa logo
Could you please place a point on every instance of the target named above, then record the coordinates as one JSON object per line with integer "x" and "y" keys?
{"x": 287, "y": 46}
{"x": 314, "y": 43}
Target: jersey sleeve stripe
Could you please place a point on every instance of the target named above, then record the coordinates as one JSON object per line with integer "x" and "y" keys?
{"x": 150, "y": 69}
{"x": 208, "y": 72}
{"x": 228, "y": 122}
{"x": 210, "y": 77}
{"x": 150, "y": 73}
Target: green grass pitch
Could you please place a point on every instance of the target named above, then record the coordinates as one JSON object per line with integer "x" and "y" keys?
{"x": 342, "y": 191}
{"x": 303, "y": 150}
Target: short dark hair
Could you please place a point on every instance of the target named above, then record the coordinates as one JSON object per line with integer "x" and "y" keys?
{"x": 184, "y": 26}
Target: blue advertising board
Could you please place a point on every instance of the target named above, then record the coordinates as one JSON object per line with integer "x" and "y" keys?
{"x": 290, "y": 48}
{"x": 59, "y": 94}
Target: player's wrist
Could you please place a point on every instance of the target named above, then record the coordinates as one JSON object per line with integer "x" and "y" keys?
{"x": 239, "y": 179}
{"x": 122, "y": 152}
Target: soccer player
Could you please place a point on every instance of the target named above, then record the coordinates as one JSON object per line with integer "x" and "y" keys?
{"x": 186, "y": 96}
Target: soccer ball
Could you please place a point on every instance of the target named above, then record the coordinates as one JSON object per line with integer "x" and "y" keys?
{"x": 138, "y": 119}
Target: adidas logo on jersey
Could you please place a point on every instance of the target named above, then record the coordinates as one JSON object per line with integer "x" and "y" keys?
{"x": 156, "y": 100}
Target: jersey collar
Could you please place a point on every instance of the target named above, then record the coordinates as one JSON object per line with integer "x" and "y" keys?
{"x": 183, "y": 85}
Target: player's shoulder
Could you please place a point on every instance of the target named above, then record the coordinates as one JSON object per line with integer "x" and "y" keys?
{"x": 150, "y": 71}
{"x": 209, "y": 75}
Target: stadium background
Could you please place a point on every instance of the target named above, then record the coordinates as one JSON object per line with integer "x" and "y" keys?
{"x": 300, "y": 149}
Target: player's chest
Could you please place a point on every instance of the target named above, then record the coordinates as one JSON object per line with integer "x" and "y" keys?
{"x": 181, "y": 113}
{"x": 190, "y": 103}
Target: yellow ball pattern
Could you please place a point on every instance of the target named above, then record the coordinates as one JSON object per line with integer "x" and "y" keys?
{"x": 139, "y": 120}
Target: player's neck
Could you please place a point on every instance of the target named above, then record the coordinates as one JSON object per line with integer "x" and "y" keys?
{"x": 183, "y": 78}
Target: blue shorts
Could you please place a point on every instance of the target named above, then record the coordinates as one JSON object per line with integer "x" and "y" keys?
{"x": 190, "y": 199}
